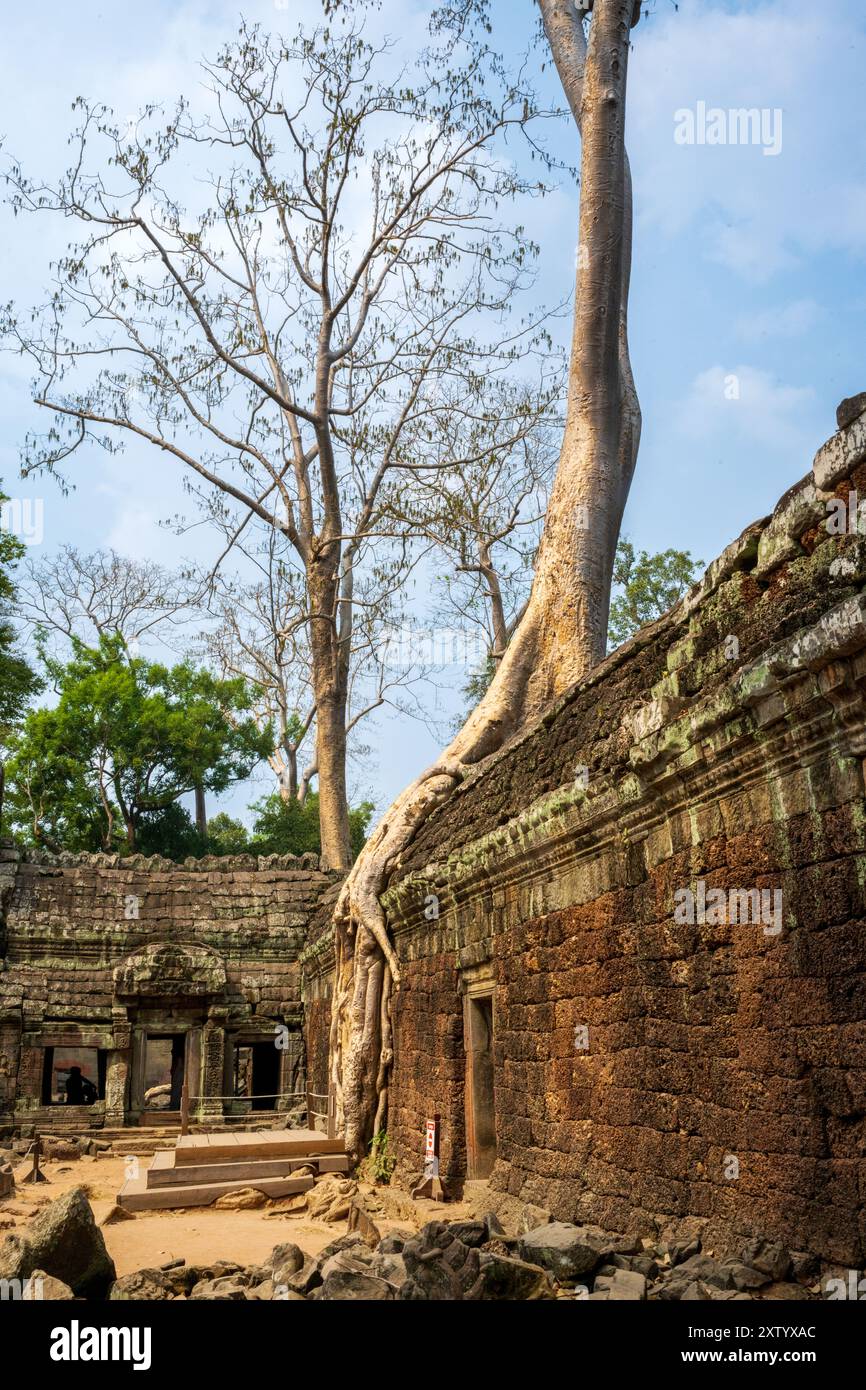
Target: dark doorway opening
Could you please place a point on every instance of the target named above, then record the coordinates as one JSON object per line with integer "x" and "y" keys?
{"x": 163, "y": 1070}
{"x": 257, "y": 1075}
{"x": 480, "y": 1096}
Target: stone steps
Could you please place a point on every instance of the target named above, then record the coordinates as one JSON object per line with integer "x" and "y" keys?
{"x": 202, "y": 1167}
{"x": 136, "y": 1195}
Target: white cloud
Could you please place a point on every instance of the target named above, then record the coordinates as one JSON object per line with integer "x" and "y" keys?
{"x": 756, "y": 215}
{"x": 744, "y": 405}
{"x": 780, "y": 321}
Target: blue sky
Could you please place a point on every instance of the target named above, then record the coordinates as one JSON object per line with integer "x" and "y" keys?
{"x": 746, "y": 265}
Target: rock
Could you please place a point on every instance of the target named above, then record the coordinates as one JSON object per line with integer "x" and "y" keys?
{"x": 848, "y": 409}
{"x": 230, "y": 1288}
{"x": 115, "y": 1214}
{"x": 64, "y": 1240}
{"x": 627, "y": 1286}
{"x": 705, "y": 1268}
{"x": 438, "y": 1268}
{"x": 353, "y": 1261}
{"x": 472, "y": 1233}
{"x": 563, "y": 1250}
{"x": 531, "y": 1217}
{"x": 284, "y": 1261}
{"x": 645, "y": 1265}
{"x": 145, "y": 1284}
{"x": 501, "y": 1277}
{"x": 262, "y": 1289}
{"x": 804, "y": 1265}
{"x": 696, "y": 1292}
{"x": 40, "y": 1287}
{"x": 361, "y": 1221}
{"x": 331, "y": 1198}
{"x": 768, "y": 1256}
{"x": 245, "y": 1199}
{"x": 354, "y": 1286}
{"x": 744, "y": 1276}
{"x": 393, "y": 1242}
{"x": 783, "y": 1290}
{"x": 306, "y": 1279}
{"x": 390, "y": 1267}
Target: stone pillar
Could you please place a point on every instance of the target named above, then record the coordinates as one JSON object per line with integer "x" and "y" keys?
{"x": 117, "y": 1073}
{"x": 213, "y": 1064}
{"x": 138, "y": 1062}
{"x": 292, "y": 1070}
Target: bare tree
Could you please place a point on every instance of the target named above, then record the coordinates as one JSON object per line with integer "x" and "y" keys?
{"x": 73, "y": 594}
{"x": 562, "y": 632}
{"x": 483, "y": 499}
{"x": 350, "y": 259}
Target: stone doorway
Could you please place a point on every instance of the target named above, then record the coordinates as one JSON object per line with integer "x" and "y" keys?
{"x": 164, "y": 1060}
{"x": 480, "y": 1091}
{"x": 257, "y": 1074}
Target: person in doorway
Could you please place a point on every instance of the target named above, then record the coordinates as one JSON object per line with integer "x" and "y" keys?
{"x": 79, "y": 1089}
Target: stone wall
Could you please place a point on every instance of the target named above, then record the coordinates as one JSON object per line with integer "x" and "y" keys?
{"x": 651, "y": 1062}
{"x": 98, "y": 950}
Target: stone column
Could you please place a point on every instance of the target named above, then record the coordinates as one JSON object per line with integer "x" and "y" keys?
{"x": 213, "y": 1064}
{"x": 117, "y": 1075}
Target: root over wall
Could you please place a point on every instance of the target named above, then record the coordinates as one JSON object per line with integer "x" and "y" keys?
{"x": 648, "y": 1064}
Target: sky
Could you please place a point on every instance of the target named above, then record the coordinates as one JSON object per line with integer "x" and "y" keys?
{"x": 748, "y": 295}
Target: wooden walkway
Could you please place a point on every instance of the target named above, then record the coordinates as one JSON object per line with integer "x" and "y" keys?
{"x": 202, "y": 1167}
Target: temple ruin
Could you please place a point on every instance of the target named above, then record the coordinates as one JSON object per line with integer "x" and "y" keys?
{"x": 633, "y": 944}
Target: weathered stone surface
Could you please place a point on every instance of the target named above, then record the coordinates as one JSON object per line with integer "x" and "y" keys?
{"x": 245, "y": 1199}
{"x": 41, "y": 1287}
{"x": 64, "y": 1240}
{"x": 848, "y": 409}
{"x": 502, "y": 1277}
{"x": 232, "y": 1288}
{"x": 148, "y": 1284}
{"x": 565, "y": 1251}
{"x": 284, "y": 1261}
{"x": 116, "y": 1214}
{"x": 352, "y": 1286}
{"x": 624, "y": 1286}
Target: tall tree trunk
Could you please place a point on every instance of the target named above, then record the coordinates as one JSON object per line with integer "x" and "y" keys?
{"x": 562, "y": 633}
{"x": 330, "y": 690}
{"x": 333, "y": 797}
{"x": 200, "y": 811}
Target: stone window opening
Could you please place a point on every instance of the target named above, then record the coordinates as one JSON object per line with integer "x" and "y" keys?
{"x": 73, "y": 1075}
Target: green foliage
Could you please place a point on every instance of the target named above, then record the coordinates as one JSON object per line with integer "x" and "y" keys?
{"x": 226, "y": 835}
{"x": 287, "y": 827}
{"x": 380, "y": 1162}
{"x": 172, "y": 833}
{"x": 18, "y": 682}
{"x": 648, "y": 586}
{"x": 125, "y": 740}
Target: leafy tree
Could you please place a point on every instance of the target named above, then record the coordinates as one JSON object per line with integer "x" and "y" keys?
{"x": 126, "y": 739}
{"x": 648, "y": 585}
{"x": 226, "y": 835}
{"x": 292, "y": 827}
{"x": 172, "y": 833}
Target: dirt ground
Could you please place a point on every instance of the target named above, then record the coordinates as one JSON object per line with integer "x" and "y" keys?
{"x": 198, "y": 1235}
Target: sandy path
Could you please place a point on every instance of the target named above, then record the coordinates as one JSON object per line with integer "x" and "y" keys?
{"x": 198, "y": 1234}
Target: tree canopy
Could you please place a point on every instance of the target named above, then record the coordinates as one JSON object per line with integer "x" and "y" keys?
{"x": 126, "y": 739}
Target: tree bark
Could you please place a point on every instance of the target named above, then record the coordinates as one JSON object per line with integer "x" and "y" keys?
{"x": 200, "y": 811}
{"x": 562, "y": 633}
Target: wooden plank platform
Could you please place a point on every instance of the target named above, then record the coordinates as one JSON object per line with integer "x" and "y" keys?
{"x": 202, "y": 1167}
{"x": 265, "y": 1143}
{"x": 136, "y": 1195}
{"x": 164, "y": 1172}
